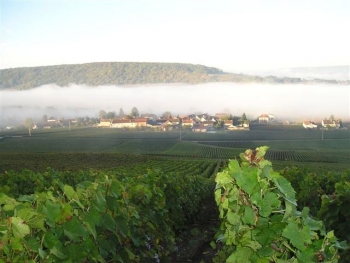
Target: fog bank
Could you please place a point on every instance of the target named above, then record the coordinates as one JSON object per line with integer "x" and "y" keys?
{"x": 286, "y": 102}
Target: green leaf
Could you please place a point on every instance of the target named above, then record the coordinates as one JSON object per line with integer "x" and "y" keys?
{"x": 306, "y": 256}
{"x": 267, "y": 203}
{"x": 92, "y": 219}
{"x": 33, "y": 244}
{"x": 247, "y": 179}
{"x": 233, "y": 165}
{"x": 223, "y": 179}
{"x": 19, "y": 227}
{"x": 261, "y": 151}
{"x": 218, "y": 196}
{"x": 248, "y": 216}
{"x": 32, "y": 218}
{"x": 286, "y": 189}
{"x": 50, "y": 239}
{"x": 242, "y": 254}
{"x": 74, "y": 229}
{"x": 69, "y": 192}
{"x": 122, "y": 225}
{"x": 51, "y": 211}
{"x": 298, "y": 237}
{"x": 233, "y": 218}
{"x": 115, "y": 189}
{"x": 108, "y": 222}
{"x": 16, "y": 244}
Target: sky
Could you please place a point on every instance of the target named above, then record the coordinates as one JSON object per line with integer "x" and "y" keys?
{"x": 235, "y": 36}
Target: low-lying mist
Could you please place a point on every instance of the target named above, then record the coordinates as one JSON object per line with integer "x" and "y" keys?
{"x": 287, "y": 102}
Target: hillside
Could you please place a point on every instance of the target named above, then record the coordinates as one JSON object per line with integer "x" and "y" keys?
{"x": 124, "y": 73}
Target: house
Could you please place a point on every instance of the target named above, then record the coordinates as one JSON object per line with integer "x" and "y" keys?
{"x": 309, "y": 125}
{"x": 331, "y": 123}
{"x": 187, "y": 122}
{"x": 199, "y": 128}
{"x": 105, "y": 123}
{"x": 222, "y": 116}
{"x": 227, "y": 123}
{"x": 263, "y": 118}
{"x": 129, "y": 123}
{"x": 151, "y": 117}
{"x": 208, "y": 123}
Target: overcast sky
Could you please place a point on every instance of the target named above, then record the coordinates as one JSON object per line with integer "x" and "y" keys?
{"x": 228, "y": 34}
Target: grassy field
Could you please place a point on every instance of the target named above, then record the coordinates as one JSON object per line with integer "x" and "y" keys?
{"x": 97, "y": 148}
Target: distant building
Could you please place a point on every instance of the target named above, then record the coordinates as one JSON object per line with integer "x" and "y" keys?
{"x": 309, "y": 125}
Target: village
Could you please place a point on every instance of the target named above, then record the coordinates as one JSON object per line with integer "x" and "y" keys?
{"x": 193, "y": 122}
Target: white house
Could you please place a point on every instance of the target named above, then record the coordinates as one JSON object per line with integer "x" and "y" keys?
{"x": 331, "y": 123}
{"x": 309, "y": 125}
{"x": 263, "y": 118}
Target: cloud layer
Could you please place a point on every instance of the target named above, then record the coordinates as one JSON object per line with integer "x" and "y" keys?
{"x": 291, "y": 102}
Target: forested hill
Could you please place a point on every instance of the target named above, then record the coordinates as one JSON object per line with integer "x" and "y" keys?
{"x": 123, "y": 73}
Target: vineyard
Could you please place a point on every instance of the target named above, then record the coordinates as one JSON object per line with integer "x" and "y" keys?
{"x": 133, "y": 212}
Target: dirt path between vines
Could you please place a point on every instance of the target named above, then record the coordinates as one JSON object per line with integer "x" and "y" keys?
{"x": 194, "y": 243}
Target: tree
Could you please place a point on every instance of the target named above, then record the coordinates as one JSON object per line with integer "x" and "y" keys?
{"x": 134, "y": 112}
{"x": 243, "y": 119}
{"x": 111, "y": 115}
{"x": 166, "y": 115}
{"x": 102, "y": 114}
{"x": 28, "y": 123}
{"x": 121, "y": 113}
{"x": 44, "y": 118}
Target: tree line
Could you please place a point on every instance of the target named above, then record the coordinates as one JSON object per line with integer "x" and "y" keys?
{"x": 125, "y": 73}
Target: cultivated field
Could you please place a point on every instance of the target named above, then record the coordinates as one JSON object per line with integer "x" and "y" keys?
{"x": 82, "y": 148}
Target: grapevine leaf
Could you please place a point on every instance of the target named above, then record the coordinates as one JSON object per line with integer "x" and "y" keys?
{"x": 247, "y": 180}
{"x": 223, "y": 179}
{"x": 19, "y": 227}
{"x": 51, "y": 211}
{"x": 92, "y": 219}
{"x": 74, "y": 230}
{"x": 109, "y": 222}
{"x": 16, "y": 244}
{"x": 56, "y": 250}
{"x": 33, "y": 244}
{"x": 5, "y": 200}
{"x": 234, "y": 165}
{"x": 42, "y": 253}
{"x": 289, "y": 208}
{"x": 261, "y": 151}
{"x": 266, "y": 252}
{"x": 233, "y": 218}
{"x": 115, "y": 189}
{"x": 286, "y": 189}
{"x": 298, "y": 237}
{"x": 32, "y": 218}
{"x": 248, "y": 216}
{"x": 122, "y": 225}
{"x": 242, "y": 254}
{"x": 218, "y": 196}
{"x": 50, "y": 239}
{"x": 99, "y": 202}
{"x": 313, "y": 224}
{"x": 69, "y": 192}
{"x": 267, "y": 203}
{"x": 306, "y": 255}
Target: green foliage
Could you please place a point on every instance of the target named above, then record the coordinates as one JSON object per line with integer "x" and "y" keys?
{"x": 125, "y": 73}
{"x": 130, "y": 219}
{"x": 259, "y": 217}
{"x": 334, "y": 211}
{"x": 110, "y": 73}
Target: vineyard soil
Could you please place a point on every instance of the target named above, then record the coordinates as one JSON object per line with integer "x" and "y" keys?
{"x": 193, "y": 244}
